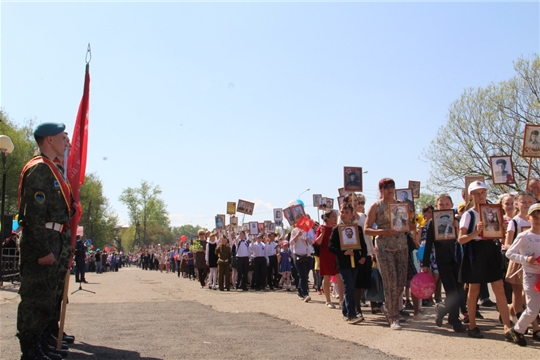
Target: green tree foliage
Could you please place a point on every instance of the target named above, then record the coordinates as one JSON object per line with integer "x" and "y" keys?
{"x": 189, "y": 231}
{"x": 24, "y": 148}
{"x": 98, "y": 219}
{"x": 487, "y": 122}
{"x": 423, "y": 200}
{"x": 149, "y": 211}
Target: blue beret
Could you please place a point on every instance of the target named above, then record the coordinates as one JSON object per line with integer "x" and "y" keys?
{"x": 49, "y": 129}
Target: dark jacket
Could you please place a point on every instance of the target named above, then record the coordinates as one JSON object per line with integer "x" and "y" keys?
{"x": 444, "y": 249}
{"x": 344, "y": 261}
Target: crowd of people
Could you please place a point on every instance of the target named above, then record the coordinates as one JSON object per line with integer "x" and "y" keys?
{"x": 380, "y": 270}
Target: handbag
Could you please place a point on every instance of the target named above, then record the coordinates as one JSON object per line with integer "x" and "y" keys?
{"x": 375, "y": 292}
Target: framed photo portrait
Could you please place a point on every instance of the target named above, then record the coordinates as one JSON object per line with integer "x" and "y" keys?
{"x": 492, "y": 217}
{"x": 260, "y": 227}
{"x": 348, "y": 237}
{"x": 399, "y": 217}
{"x": 298, "y": 212}
{"x": 271, "y": 227}
{"x": 415, "y": 187}
{"x": 352, "y": 179}
{"x": 266, "y": 224}
{"x": 470, "y": 179}
{"x": 405, "y": 196}
{"x": 253, "y": 228}
{"x": 340, "y": 201}
{"x": 329, "y": 203}
{"x": 234, "y": 221}
{"x": 220, "y": 221}
{"x": 231, "y": 208}
{"x": 502, "y": 169}
{"x": 531, "y": 141}
{"x": 343, "y": 192}
{"x": 245, "y": 207}
{"x": 287, "y": 214}
{"x": 317, "y": 200}
{"x": 322, "y": 203}
{"x": 443, "y": 223}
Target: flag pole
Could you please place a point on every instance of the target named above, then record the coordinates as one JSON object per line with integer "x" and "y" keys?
{"x": 75, "y": 175}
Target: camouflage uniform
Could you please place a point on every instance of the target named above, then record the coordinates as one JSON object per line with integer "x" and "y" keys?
{"x": 41, "y": 201}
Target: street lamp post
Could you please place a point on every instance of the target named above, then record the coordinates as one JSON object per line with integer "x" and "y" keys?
{"x": 6, "y": 147}
{"x": 303, "y": 192}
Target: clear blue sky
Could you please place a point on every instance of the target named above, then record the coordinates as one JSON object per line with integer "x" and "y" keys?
{"x": 216, "y": 102}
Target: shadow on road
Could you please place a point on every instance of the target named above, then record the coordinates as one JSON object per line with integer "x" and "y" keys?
{"x": 84, "y": 351}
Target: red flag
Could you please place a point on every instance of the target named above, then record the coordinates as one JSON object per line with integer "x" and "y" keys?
{"x": 77, "y": 155}
{"x": 305, "y": 223}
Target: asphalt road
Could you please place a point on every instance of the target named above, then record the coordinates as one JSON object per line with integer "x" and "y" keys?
{"x": 138, "y": 314}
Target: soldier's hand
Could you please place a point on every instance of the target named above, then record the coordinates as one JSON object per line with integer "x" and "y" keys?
{"x": 47, "y": 260}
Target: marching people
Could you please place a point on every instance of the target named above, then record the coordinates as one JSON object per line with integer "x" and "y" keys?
{"x": 481, "y": 262}
{"x": 223, "y": 252}
{"x": 260, "y": 262}
{"x": 271, "y": 252}
{"x": 300, "y": 248}
{"x": 212, "y": 261}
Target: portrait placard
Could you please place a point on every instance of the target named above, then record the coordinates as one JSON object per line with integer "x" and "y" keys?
{"x": 415, "y": 187}
{"x": 470, "y": 179}
{"x": 220, "y": 221}
{"x": 329, "y": 203}
{"x": 278, "y": 216}
{"x": 531, "y": 141}
{"x": 253, "y": 228}
{"x": 245, "y": 207}
{"x": 267, "y": 223}
{"x": 234, "y": 221}
{"x": 399, "y": 217}
{"x": 405, "y": 196}
{"x": 317, "y": 200}
{"x": 260, "y": 227}
{"x": 322, "y": 203}
{"x": 298, "y": 212}
{"x": 231, "y": 208}
{"x": 287, "y": 214}
{"x": 443, "y": 223}
{"x": 340, "y": 201}
{"x": 271, "y": 228}
{"x": 502, "y": 169}
{"x": 343, "y": 192}
{"x": 349, "y": 237}
{"x": 492, "y": 218}
{"x": 352, "y": 178}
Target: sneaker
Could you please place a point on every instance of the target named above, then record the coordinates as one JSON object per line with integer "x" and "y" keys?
{"x": 536, "y": 335}
{"x": 355, "y": 320}
{"x": 459, "y": 328}
{"x": 404, "y": 313}
{"x": 319, "y": 292}
{"x": 301, "y": 297}
{"x": 409, "y": 306}
{"x": 360, "y": 316}
{"x": 515, "y": 337}
{"x": 478, "y": 315}
{"x": 465, "y": 318}
{"x": 307, "y": 298}
{"x": 475, "y": 333}
{"x": 488, "y": 303}
{"x": 330, "y": 305}
{"x": 419, "y": 317}
{"x": 439, "y": 311}
{"x": 395, "y": 325}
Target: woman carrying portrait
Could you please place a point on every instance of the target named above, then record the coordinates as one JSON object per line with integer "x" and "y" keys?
{"x": 391, "y": 250}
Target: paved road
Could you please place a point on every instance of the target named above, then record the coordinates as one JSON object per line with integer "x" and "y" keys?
{"x": 139, "y": 314}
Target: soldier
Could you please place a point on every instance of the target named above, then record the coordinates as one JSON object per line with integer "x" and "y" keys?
{"x": 223, "y": 252}
{"x": 44, "y": 212}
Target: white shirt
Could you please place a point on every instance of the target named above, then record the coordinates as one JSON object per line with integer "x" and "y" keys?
{"x": 525, "y": 245}
{"x": 257, "y": 250}
{"x": 466, "y": 219}
{"x": 300, "y": 246}
{"x": 270, "y": 248}
{"x": 242, "y": 249}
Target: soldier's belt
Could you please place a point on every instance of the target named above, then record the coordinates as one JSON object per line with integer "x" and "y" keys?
{"x": 56, "y": 226}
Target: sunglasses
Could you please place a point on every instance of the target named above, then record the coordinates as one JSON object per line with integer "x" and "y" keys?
{"x": 388, "y": 187}
{"x": 361, "y": 203}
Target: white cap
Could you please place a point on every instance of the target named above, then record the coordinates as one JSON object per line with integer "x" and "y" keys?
{"x": 475, "y": 185}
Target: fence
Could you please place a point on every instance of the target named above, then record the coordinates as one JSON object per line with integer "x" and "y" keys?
{"x": 9, "y": 269}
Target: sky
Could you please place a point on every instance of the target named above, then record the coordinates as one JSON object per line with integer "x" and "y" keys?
{"x": 219, "y": 101}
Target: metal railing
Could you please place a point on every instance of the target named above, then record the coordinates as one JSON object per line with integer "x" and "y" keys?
{"x": 9, "y": 269}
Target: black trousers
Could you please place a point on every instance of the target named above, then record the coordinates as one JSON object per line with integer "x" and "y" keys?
{"x": 272, "y": 271}
{"x": 242, "y": 267}
{"x": 259, "y": 273}
{"x": 80, "y": 269}
{"x": 448, "y": 273}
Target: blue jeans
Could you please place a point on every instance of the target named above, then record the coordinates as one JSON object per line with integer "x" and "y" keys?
{"x": 348, "y": 276}
{"x": 98, "y": 267}
{"x": 303, "y": 270}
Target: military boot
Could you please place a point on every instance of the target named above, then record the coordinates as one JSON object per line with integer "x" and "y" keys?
{"x": 51, "y": 351}
{"x": 52, "y": 340}
{"x": 32, "y": 351}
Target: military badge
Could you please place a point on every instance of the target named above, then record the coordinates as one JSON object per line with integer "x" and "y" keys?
{"x": 39, "y": 197}
{"x": 56, "y": 185}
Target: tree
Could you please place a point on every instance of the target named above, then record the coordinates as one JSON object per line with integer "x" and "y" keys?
{"x": 24, "y": 149}
{"x": 423, "y": 200}
{"x": 98, "y": 219}
{"x": 486, "y": 122}
{"x": 147, "y": 209}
